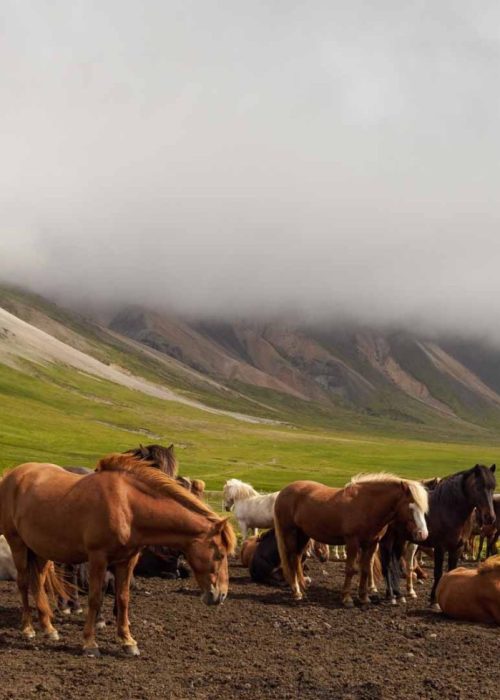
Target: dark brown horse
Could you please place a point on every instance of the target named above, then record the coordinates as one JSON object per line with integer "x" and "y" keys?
{"x": 451, "y": 503}
{"x": 105, "y": 518}
{"x": 357, "y": 516}
{"x": 489, "y": 532}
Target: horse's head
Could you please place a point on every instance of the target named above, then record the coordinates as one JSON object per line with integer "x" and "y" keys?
{"x": 321, "y": 551}
{"x": 236, "y": 490}
{"x": 412, "y": 506}
{"x": 479, "y": 484}
{"x": 208, "y": 557}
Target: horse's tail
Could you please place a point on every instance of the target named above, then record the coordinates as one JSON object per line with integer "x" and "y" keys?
{"x": 48, "y": 581}
{"x": 283, "y": 550}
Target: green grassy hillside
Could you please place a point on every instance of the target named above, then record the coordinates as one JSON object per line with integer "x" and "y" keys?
{"x": 66, "y": 417}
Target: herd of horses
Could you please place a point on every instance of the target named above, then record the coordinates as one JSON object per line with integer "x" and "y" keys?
{"x": 134, "y": 511}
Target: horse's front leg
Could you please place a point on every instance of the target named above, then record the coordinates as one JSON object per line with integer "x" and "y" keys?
{"x": 352, "y": 548}
{"x": 410, "y": 569}
{"x": 20, "y": 557}
{"x": 366, "y": 566}
{"x": 97, "y": 571}
{"x": 438, "y": 572}
{"x": 123, "y": 575}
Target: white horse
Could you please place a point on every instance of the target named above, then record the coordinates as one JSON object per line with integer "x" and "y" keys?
{"x": 8, "y": 571}
{"x": 251, "y": 509}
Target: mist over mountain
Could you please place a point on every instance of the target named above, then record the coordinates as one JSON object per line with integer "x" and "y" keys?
{"x": 234, "y": 161}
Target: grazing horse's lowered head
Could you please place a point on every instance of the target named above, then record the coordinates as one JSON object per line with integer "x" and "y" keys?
{"x": 236, "y": 490}
{"x": 411, "y": 507}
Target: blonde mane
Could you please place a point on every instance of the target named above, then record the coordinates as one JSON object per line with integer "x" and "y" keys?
{"x": 418, "y": 491}
{"x": 163, "y": 485}
{"x": 237, "y": 490}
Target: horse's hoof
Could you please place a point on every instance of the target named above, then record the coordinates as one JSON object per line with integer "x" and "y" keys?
{"x": 435, "y": 607}
{"x": 394, "y": 601}
{"x": 52, "y": 635}
{"x": 131, "y": 650}
{"x": 91, "y": 652}
{"x": 349, "y": 603}
{"x": 100, "y": 624}
{"x": 78, "y": 611}
{"x": 402, "y": 600}
{"x": 297, "y": 596}
{"x": 412, "y": 594}
{"x": 307, "y": 580}
{"x": 65, "y": 611}
{"x": 29, "y": 633}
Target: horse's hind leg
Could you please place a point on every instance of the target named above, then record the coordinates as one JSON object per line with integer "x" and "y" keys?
{"x": 39, "y": 573}
{"x": 352, "y": 548}
{"x": 301, "y": 543}
{"x": 20, "y": 556}
{"x": 366, "y": 564}
{"x": 123, "y": 574}
{"x": 97, "y": 571}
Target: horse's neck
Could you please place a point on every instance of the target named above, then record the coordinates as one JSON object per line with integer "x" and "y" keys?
{"x": 454, "y": 505}
{"x": 158, "y": 521}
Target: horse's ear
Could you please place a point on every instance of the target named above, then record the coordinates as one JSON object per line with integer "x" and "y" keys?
{"x": 477, "y": 468}
{"x": 170, "y": 448}
{"x": 143, "y": 451}
{"x": 493, "y": 467}
{"x": 405, "y": 487}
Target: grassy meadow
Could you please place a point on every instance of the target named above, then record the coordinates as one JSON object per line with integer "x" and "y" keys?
{"x": 60, "y": 415}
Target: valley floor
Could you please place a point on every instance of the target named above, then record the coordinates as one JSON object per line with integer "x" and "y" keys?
{"x": 259, "y": 645}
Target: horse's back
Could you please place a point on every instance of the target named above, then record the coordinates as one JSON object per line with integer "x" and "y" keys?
{"x": 312, "y": 507}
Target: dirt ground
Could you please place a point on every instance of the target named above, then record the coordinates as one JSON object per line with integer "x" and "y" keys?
{"x": 259, "y": 644}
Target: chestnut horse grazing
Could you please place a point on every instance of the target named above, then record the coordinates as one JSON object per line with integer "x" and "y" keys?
{"x": 472, "y": 594}
{"x": 356, "y": 515}
{"x": 48, "y": 514}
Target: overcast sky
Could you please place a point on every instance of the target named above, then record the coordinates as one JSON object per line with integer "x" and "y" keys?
{"x": 233, "y": 156}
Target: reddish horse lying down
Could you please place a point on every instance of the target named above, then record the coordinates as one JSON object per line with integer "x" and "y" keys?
{"x": 472, "y": 594}
{"x": 356, "y": 515}
{"x": 48, "y": 514}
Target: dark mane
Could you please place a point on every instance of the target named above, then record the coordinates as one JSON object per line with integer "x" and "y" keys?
{"x": 161, "y": 484}
{"x": 163, "y": 458}
{"x": 450, "y": 490}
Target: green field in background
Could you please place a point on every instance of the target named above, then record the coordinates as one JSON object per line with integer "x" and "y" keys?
{"x": 60, "y": 415}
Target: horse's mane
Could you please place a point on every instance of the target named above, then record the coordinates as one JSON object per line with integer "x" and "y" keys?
{"x": 450, "y": 489}
{"x": 492, "y": 564}
{"x": 417, "y": 490}
{"x": 162, "y": 458}
{"x": 161, "y": 484}
{"x": 237, "y": 490}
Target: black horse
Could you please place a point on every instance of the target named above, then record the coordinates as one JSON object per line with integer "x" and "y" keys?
{"x": 451, "y": 502}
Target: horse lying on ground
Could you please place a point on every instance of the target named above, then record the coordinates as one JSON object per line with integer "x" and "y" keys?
{"x": 261, "y": 556}
{"x": 356, "y": 515}
{"x": 451, "y": 502}
{"x": 472, "y": 594}
{"x": 251, "y": 509}
{"x": 48, "y": 514}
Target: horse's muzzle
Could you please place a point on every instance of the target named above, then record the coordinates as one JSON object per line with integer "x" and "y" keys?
{"x": 213, "y": 597}
{"x": 421, "y": 535}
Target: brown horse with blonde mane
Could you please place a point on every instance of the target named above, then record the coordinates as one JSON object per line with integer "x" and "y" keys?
{"x": 48, "y": 514}
{"x": 356, "y": 515}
